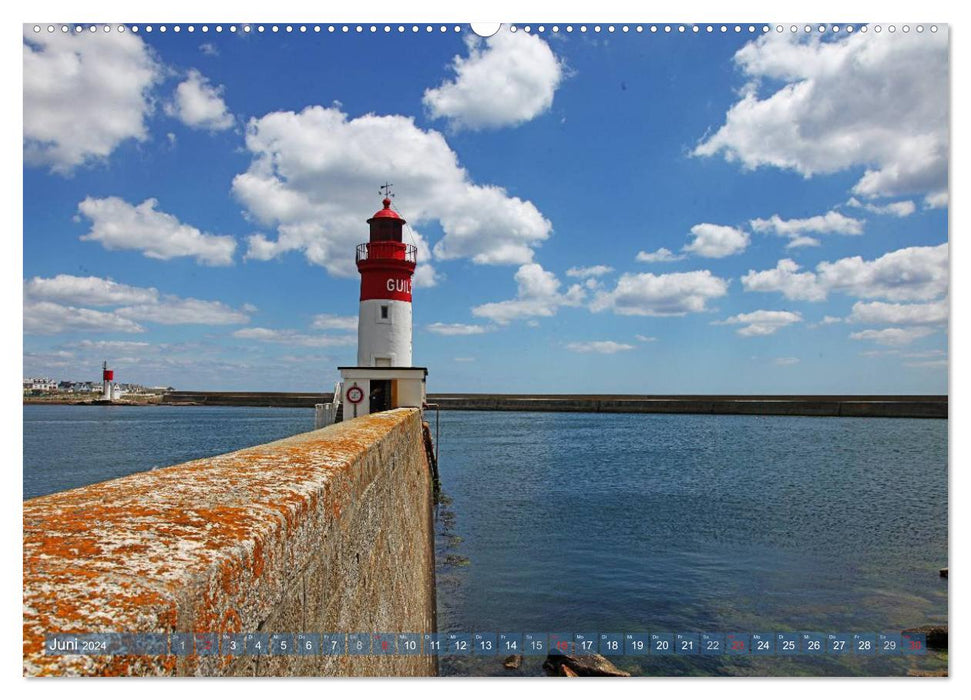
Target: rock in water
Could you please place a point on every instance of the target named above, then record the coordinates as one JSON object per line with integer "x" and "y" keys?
{"x": 513, "y": 661}
{"x": 588, "y": 665}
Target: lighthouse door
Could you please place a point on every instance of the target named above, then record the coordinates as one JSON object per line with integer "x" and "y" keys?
{"x": 380, "y": 395}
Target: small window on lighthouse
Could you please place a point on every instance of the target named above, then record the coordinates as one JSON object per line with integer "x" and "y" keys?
{"x": 385, "y": 311}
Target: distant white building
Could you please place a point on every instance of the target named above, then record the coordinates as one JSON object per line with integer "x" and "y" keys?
{"x": 40, "y": 384}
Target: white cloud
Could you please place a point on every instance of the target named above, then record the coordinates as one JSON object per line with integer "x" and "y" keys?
{"x": 674, "y": 294}
{"x": 506, "y": 79}
{"x": 926, "y": 354}
{"x": 927, "y": 363}
{"x": 899, "y": 209}
{"x": 908, "y": 274}
{"x": 118, "y": 225}
{"x": 209, "y": 49}
{"x": 761, "y": 322}
{"x": 84, "y": 95}
{"x": 659, "y": 255}
{"x": 113, "y": 345}
{"x": 291, "y": 337}
{"x": 329, "y": 322}
{"x": 645, "y": 338}
{"x": 936, "y": 200}
{"x": 176, "y": 311}
{"x": 878, "y": 313}
{"x": 538, "y": 295}
{"x": 199, "y": 105}
{"x": 48, "y": 318}
{"x": 456, "y": 329}
{"x": 878, "y": 353}
{"x": 714, "y": 241}
{"x": 861, "y": 101}
{"x": 426, "y": 275}
{"x": 592, "y": 271}
{"x": 604, "y": 347}
{"x": 830, "y": 320}
{"x": 313, "y": 177}
{"x": 135, "y": 304}
{"x": 90, "y": 291}
{"x": 802, "y": 242}
{"x": 785, "y": 361}
{"x": 893, "y": 336}
{"x": 785, "y": 278}
{"x": 45, "y": 363}
{"x": 796, "y": 230}
{"x": 487, "y": 226}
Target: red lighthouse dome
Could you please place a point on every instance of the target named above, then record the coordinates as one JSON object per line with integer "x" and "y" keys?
{"x": 386, "y": 213}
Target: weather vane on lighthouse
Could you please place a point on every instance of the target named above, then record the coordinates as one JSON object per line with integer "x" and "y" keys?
{"x": 383, "y": 377}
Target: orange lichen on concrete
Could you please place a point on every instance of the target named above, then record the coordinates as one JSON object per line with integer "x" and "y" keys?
{"x": 204, "y": 546}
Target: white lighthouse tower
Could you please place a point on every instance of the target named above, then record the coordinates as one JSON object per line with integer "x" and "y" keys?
{"x": 384, "y": 377}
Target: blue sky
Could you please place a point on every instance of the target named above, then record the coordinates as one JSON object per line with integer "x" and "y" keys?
{"x": 193, "y": 219}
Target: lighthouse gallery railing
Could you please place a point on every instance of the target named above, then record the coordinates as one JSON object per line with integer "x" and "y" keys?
{"x": 387, "y": 250}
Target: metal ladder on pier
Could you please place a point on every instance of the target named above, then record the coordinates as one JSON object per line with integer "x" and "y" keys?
{"x": 431, "y": 447}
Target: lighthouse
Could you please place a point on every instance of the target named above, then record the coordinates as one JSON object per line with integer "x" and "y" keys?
{"x": 387, "y": 265}
{"x": 384, "y": 377}
{"x": 107, "y": 377}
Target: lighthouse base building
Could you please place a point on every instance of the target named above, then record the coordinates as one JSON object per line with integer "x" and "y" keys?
{"x": 384, "y": 377}
{"x": 381, "y": 389}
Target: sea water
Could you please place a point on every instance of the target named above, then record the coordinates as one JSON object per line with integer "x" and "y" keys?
{"x": 623, "y": 523}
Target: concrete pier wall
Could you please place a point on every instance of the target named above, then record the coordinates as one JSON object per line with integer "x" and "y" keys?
{"x": 861, "y": 406}
{"x": 329, "y": 531}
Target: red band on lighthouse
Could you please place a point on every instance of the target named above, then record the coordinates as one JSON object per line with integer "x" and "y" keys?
{"x": 386, "y": 284}
{"x": 108, "y": 375}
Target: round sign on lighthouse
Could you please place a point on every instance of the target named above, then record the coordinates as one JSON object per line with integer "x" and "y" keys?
{"x": 355, "y": 394}
{"x": 387, "y": 266}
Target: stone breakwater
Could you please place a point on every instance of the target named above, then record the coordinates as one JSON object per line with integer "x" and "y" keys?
{"x": 263, "y": 399}
{"x": 329, "y": 531}
{"x": 860, "y": 406}
{"x": 875, "y": 406}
